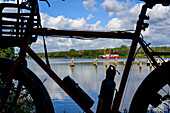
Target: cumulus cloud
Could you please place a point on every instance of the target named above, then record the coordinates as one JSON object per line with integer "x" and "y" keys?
{"x": 60, "y": 22}
{"x": 113, "y": 5}
{"x": 159, "y": 13}
{"x": 125, "y": 19}
{"x": 89, "y": 17}
{"x": 157, "y": 33}
{"x": 111, "y": 14}
{"x": 159, "y": 25}
{"x": 89, "y": 5}
{"x": 78, "y": 23}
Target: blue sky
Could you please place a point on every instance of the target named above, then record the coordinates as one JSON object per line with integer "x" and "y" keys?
{"x": 100, "y": 15}
{"x": 74, "y": 9}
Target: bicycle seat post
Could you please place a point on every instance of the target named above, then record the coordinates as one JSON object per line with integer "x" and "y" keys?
{"x": 139, "y": 27}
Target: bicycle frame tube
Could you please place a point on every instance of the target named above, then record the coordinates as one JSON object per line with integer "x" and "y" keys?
{"x": 139, "y": 27}
{"x": 111, "y": 35}
{"x": 87, "y": 34}
{"x": 152, "y": 58}
{"x": 118, "y": 97}
{"x": 135, "y": 37}
{"x": 132, "y": 36}
{"x": 54, "y": 76}
{"x": 119, "y": 94}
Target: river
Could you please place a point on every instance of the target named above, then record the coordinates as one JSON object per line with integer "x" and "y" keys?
{"x": 89, "y": 79}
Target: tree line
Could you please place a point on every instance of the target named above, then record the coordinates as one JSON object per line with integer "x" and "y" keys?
{"x": 122, "y": 51}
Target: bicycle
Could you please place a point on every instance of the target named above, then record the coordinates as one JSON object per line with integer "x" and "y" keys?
{"x": 22, "y": 91}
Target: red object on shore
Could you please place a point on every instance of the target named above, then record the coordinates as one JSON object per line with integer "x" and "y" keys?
{"x": 107, "y": 56}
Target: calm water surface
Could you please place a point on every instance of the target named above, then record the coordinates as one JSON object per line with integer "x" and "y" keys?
{"x": 89, "y": 78}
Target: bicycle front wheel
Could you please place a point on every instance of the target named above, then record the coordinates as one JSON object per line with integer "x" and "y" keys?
{"x": 153, "y": 96}
{"x": 27, "y": 93}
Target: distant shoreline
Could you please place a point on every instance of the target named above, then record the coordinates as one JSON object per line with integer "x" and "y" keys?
{"x": 122, "y": 51}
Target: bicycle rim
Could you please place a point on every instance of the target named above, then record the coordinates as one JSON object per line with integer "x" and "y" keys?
{"x": 153, "y": 93}
{"x": 27, "y": 94}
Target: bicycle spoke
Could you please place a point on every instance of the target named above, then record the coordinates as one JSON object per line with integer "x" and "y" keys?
{"x": 165, "y": 100}
{"x": 19, "y": 99}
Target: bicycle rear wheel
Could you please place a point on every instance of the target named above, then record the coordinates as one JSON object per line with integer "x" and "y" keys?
{"x": 27, "y": 93}
{"x": 153, "y": 93}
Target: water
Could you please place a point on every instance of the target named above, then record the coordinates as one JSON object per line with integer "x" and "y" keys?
{"x": 89, "y": 78}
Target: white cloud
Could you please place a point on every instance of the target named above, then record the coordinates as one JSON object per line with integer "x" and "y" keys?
{"x": 157, "y": 32}
{"x": 159, "y": 25}
{"x": 89, "y": 5}
{"x": 159, "y": 13}
{"x": 125, "y": 19}
{"x": 59, "y": 22}
{"x": 89, "y": 17}
{"x": 78, "y": 23}
{"x": 114, "y": 24}
{"x": 113, "y": 5}
{"x": 111, "y": 14}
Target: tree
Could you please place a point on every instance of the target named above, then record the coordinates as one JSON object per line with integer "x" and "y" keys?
{"x": 9, "y": 52}
{"x": 123, "y": 50}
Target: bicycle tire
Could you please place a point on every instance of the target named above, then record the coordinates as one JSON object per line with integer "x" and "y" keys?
{"x": 30, "y": 83}
{"x": 147, "y": 93}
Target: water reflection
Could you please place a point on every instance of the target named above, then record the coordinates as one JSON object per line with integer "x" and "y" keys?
{"x": 89, "y": 78}
{"x": 72, "y": 70}
{"x": 95, "y": 68}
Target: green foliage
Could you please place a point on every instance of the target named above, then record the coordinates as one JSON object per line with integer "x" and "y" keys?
{"x": 122, "y": 51}
{"x": 8, "y": 53}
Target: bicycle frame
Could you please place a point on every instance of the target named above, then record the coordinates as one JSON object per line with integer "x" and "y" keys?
{"x": 135, "y": 37}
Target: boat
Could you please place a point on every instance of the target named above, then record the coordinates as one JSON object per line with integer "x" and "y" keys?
{"x": 107, "y": 56}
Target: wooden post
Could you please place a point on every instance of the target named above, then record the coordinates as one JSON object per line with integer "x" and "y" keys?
{"x": 72, "y": 69}
{"x": 115, "y": 62}
{"x": 140, "y": 65}
{"x": 95, "y": 67}
{"x": 95, "y": 62}
{"x": 160, "y": 62}
{"x": 105, "y": 63}
{"x": 150, "y": 67}
{"x": 124, "y": 62}
{"x": 72, "y": 62}
{"x": 138, "y": 62}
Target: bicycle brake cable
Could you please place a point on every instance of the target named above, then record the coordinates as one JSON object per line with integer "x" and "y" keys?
{"x": 46, "y": 54}
{"x": 154, "y": 51}
{"x": 46, "y": 2}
